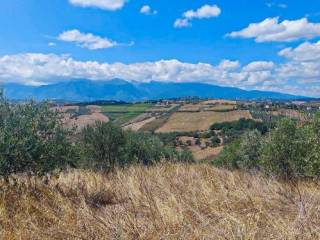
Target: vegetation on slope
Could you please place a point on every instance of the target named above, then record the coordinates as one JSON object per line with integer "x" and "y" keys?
{"x": 33, "y": 140}
{"x": 94, "y": 184}
{"x": 161, "y": 202}
{"x": 288, "y": 150}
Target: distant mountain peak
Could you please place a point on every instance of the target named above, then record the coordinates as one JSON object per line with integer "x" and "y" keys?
{"x": 122, "y": 90}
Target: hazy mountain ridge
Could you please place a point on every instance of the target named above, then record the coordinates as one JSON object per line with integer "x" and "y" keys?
{"x": 120, "y": 90}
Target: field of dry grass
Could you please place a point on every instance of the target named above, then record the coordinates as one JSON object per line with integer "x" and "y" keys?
{"x": 161, "y": 202}
{"x": 94, "y": 114}
{"x": 205, "y": 154}
{"x": 193, "y": 121}
{"x": 136, "y": 126}
{"x": 289, "y": 113}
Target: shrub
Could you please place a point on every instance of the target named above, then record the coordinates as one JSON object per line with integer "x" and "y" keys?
{"x": 215, "y": 141}
{"x": 249, "y": 150}
{"x": 144, "y": 148}
{"x": 32, "y": 139}
{"x": 229, "y": 157}
{"x": 103, "y": 145}
{"x": 242, "y": 153}
{"x": 285, "y": 150}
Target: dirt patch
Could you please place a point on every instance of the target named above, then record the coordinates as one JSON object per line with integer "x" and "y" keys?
{"x": 138, "y": 125}
{"x": 84, "y": 120}
{"x": 220, "y": 101}
{"x": 205, "y": 154}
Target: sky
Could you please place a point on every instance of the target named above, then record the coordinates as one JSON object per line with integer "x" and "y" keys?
{"x": 250, "y": 44}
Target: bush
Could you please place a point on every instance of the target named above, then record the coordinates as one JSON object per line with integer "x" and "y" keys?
{"x": 249, "y": 150}
{"x": 215, "y": 141}
{"x": 145, "y": 149}
{"x": 103, "y": 145}
{"x": 32, "y": 139}
{"x": 287, "y": 151}
{"x": 229, "y": 157}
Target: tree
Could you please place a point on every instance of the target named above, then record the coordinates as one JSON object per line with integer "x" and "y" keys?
{"x": 249, "y": 150}
{"x": 229, "y": 156}
{"x": 284, "y": 150}
{"x": 103, "y": 145}
{"x": 144, "y": 148}
{"x": 32, "y": 139}
{"x": 215, "y": 141}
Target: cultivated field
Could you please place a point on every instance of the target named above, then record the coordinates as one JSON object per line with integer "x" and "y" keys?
{"x": 136, "y": 126}
{"x": 161, "y": 202}
{"x": 184, "y": 121}
{"x": 220, "y": 101}
{"x": 75, "y": 116}
{"x": 290, "y": 114}
{"x": 123, "y": 113}
{"x": 219, "y": 107}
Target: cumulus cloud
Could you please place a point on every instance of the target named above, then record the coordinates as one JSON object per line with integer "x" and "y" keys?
{"x": 147, "y": 10}
{"x": 206, "y": 11}
{"x": 297, "y": 75}
{"x": 52, "y": 68}
{"x": 258, "y": 66}
{"x": 227, "y": 64}
{"x": 271, "y": 30}
{"x": 303, "y": 64}
{"x": 110, "y": 5}
{"x": 86, "y": 40}
{"x": 305, "y": 52}
{"x": 182, "y": 23}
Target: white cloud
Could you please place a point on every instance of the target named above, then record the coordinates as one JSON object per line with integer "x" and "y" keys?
{"x": 110, "y": 5}
{"x": 86, "y": 40}
{"x": 304, "y": 52}
{"x": 181, "y": 23}
{"x": 297, "y": 75}
{"x": 52, "y": 68}
{"x": 258, "y": 66}
{"x": 147, "y": 10}
{"x": 228, "y": 64}
{"x": 206, "y": 11}
{"x": 271, "y": 30}
{"x": 303, "y": 64}
{"x": 51, "y": 44}
{"x": 279, "y": 5}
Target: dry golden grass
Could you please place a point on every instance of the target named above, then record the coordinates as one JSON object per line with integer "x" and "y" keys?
{"x": 136, "y": 126}
{"x": 290, "y": 113}
{"x": 219, "y": 107}
{"x": 161, "y": 202}
{"x": 193, "y": 121}
{"x": 205, "y": 154}
{"x": 220, "y": 101}
{"x": 84, "y": 120}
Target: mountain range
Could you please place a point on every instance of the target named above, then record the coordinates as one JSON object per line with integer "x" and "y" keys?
{"x": 121, "y": 90}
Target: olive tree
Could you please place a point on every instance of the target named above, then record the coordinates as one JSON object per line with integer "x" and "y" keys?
{"x": 103, "y": 145}
{"x": 32, "y": 139}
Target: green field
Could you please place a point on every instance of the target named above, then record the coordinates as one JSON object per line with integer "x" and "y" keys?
{"x": 121, "y": 114}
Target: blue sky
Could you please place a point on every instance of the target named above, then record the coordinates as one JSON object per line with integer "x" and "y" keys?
{"x": 49, "y": 41}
